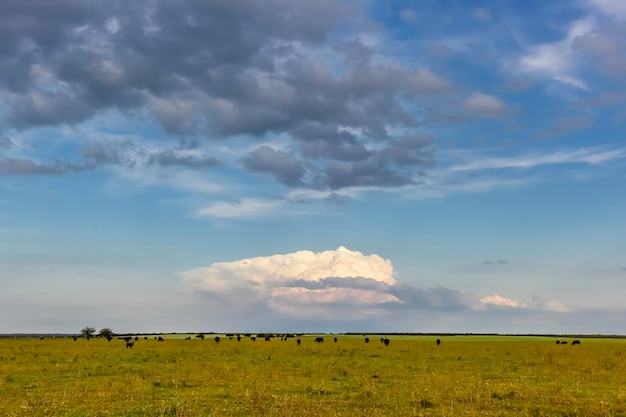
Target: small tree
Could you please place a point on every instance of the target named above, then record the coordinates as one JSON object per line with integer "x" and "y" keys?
{"x": 106, "y": 333}
{"x": 88, "y": 332}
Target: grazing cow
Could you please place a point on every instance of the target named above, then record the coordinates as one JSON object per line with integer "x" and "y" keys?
{"x": 267, "y": 338}
{"x": 136, "y": 338}
{"x": 558, "y": 342}
{"x": 160, "y": 339}
{"x": 298, "y": 342}
{"x": 41, "y": 338}
{"x": 367, "y": 340}
{"x": 253, "y": 338}
{"x": 438, "y": 342}
{"x": 319, "y": 339}
{"x": 238, "y": 338}
{"x": 575, "y": 342}
{"x": 564, "y": 342}
{"x": 386, "y": 342}
{"x": 217, "y": 339}
{"x": 125, "y": 338}
{"x": 335, "y": 339}
{"x": 75, "y": 338}
{"x": 130, "y": 345}
{"x": 145, "y": 338}
{"x": 382, "y": 340}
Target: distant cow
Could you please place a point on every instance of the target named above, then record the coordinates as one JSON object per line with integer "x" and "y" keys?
{"x": 253, "y": 338}
{"x": 298, "y": 342}
{"x": 319, "y": 339}
{"x": 130, "y": 345}
{"x": 438, "y": 342}
{"x": 136, "y": 338}
{"x": 367, "y": 340}
{"x": 125, "y": 338}
{"x": 386, "y": 342}
{"x": 160, "y": 339}
{"x": 238, "y": 338}
{"x": 575, "y": 342}
{"x": 267, "y": 338}
{"x": 217, "y": 339}
{"x": 41, "y": 338}
{"x": 564, "y": 342}
{"x": 75, "y": 338}
{"x": 558, "y": 342}
{"x": 335, "y": 339}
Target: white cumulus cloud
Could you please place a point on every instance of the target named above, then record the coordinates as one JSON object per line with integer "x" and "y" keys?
{"x": 498, "y": 300}
{"x": 332, "y": 277}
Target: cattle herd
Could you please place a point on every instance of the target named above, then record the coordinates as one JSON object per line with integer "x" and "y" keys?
{"x": 130, "y": 340}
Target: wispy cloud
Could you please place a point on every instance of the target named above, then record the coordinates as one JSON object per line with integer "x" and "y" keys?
{"x": 556, "y": 61}
{"x": 246, "y": 208}
{"x": 583, "y": 155}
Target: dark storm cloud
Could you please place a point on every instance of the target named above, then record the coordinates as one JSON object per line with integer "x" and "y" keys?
{"x": 118, "y": 54}
{"x": 371, "y": 173}
{"x": 276, "y": 163}
{"x": 328, "y": 141}
{"x": 391, "y": 165}
{"x": 20, "y": 167}
{"x": 215, "y": 69}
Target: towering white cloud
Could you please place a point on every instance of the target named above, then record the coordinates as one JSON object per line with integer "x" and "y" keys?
{"x": 335, "y": 277}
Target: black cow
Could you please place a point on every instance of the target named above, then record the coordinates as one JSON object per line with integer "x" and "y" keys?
{"x": 564, "y": 342}
{"x": 253, "y": 338}
{"x": 136, "y": 338}
{"x": 217, "y": 339}
{"x": 335, "y": 339}
{"x": 238, "y": 338}
{"x": 438, "y": 342}
{"x": 267, "y": 338}
{"x": 160, "y": 339}
{"x": 319, "y": 339}
{"x": 575, "y": 342}
{"x": 558, "y": 342}
{"x": 298, "y": 342}
{"x": 125, "y": 338}
{"x": 130, "y": 345}
{"x": 367, "y": 340}
{"x": 386, "y": 342}
{"x": 75, "y": 338}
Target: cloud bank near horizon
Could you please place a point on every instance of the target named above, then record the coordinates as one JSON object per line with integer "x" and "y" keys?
{"x": 339, "y": 283}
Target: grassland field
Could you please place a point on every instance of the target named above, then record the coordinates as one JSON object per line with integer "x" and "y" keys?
{"x": 464, "y": 376}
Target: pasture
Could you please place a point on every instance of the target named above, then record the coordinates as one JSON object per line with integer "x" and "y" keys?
{"x": 412, "y": 376}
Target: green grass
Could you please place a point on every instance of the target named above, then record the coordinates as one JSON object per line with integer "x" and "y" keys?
{"x": 465, "y": 376}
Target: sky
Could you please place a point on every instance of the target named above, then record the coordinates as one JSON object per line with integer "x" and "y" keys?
{"x": 313, "y": 166}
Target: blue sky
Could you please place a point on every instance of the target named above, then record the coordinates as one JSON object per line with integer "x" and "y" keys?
{"x": 313, "y": 166}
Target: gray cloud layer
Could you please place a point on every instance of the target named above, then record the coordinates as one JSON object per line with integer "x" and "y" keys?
{"x": 214, "y": 69}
